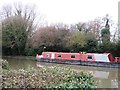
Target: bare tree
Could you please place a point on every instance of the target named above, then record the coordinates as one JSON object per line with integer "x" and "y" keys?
{"x": 93, "y": 26}
{"x": 6, "y": 11}
{"x": 18, "y": 9}
{"x": 18, "y": 18}
{"x": 50, "y": 36}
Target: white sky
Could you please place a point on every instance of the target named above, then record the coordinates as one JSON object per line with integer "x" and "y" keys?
{"x": 72, "y": 11}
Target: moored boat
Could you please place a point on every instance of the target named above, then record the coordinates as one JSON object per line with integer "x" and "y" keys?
{"x": 89, "y": 59}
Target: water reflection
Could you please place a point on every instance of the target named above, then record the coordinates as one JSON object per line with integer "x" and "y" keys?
{"x": 104, "y": 77}
{"x": 100, "y": 74}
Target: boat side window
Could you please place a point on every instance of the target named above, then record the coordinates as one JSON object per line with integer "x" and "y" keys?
{"x": 59, "y": 55}
{"x": 89, "y": 57}
{"x": 72, "y": 56}
{"x": 47, "y": 55}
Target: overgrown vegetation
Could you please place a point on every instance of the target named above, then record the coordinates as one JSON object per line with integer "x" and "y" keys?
{"x": 46, "y": 77}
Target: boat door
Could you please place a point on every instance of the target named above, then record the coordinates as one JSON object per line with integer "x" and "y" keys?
{"x": 53, "y": 56}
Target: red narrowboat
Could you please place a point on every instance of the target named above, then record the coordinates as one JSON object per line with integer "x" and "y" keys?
{"x": 82, "y": 58}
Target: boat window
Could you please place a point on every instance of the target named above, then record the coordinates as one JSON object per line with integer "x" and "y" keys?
{"x": 72, "y": 56}
{"x": 89, "y": 57}
{"x": 59, "y": 55}
{"x": 47, "y": 55}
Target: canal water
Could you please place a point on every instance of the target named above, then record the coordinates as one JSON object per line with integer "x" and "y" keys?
{"x": 104, "y": 77}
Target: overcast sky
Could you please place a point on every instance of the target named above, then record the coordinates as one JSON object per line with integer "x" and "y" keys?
{"x": 72, "y": 11}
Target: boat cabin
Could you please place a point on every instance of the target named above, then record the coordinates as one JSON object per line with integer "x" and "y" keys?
{"x": 105, "y": 57}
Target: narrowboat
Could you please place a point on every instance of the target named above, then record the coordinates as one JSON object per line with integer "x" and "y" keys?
{"x": 82, "y": 58}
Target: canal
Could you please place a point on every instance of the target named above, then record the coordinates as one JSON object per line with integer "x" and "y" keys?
{"x": 104, "y": 77}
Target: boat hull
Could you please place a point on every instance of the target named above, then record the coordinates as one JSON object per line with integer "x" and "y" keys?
{"x": 79, "y": 62}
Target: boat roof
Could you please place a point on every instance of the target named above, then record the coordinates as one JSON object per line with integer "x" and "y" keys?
{"x": 78, "y": 53}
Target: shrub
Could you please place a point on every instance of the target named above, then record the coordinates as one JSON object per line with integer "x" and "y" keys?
{"x": 54, "y": 77}
{"x": 5, "y": 64}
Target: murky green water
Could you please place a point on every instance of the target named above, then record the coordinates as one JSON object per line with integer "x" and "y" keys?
{"x": 105, "y": 77}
